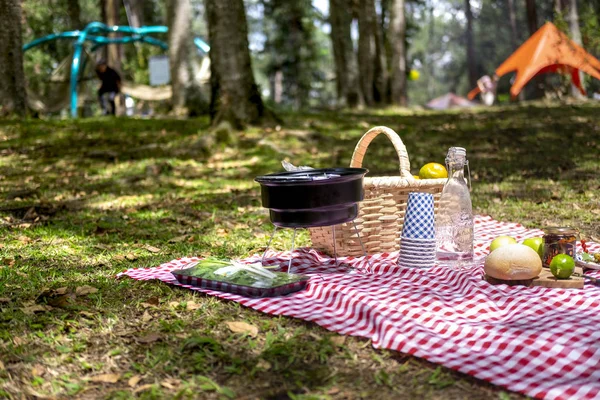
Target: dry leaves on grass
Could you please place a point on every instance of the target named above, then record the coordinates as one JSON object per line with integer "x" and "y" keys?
{"x": 38, "y": 370}
{"x": 35, "y": 308}
{"x": 134, "y": 380}
{"x": 242, "y": 327}
{"x": 147, "y": 317}
{"x": 2, "y": 368}
{"x": 191, "y": 306}
{"x": 178, "y": 239}
{"x": 85, "y": 290}
{"x": 106, "y": 378}
{"x": 4, "y": 300}
{"x": 149, "y": 338}
{"x": 152, "y": 249}
{"x": 170, "y": 383}
{"x": 143, "y": 387}
{"x": 338, "y": 340}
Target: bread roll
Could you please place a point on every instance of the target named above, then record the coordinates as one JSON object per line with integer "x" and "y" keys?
{"x": 513, "y": 262}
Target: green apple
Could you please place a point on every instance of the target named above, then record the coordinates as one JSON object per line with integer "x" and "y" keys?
{"x": 501, "y": 241}
{"x": 536, "y": 244}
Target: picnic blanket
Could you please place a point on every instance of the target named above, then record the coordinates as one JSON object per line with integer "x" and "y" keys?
{"x": 542, "y": 342}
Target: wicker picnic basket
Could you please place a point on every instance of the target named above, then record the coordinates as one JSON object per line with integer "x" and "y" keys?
{"x": 381, "y": 213}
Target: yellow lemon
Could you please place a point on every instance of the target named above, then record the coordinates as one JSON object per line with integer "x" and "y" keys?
{"x": 413, "y": 75}
{"x": 433, "y": 171}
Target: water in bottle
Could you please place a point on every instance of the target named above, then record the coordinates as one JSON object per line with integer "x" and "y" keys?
{"x": 454, "y": 221}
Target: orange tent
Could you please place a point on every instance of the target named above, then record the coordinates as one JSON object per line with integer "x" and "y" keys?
{"x": 547, "y": 50}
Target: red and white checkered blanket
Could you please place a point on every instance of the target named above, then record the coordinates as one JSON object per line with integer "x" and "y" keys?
{"x": 541, "y": 342}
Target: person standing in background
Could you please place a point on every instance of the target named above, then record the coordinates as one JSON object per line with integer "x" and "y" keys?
{"x": 109, "y": 88}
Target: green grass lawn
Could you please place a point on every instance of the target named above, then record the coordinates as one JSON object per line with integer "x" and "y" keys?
{"x": 81, "y": 201}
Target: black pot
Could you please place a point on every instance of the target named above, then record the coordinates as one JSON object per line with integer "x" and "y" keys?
{"x": 316, "y": 197}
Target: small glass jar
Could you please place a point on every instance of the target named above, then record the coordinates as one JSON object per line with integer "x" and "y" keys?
{"x": 558, "y": 240}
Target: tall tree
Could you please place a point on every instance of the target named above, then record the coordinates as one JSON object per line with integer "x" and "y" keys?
{"x": 291, "y": 47}
{"x": 380, "y": 70}
{"x": 346, "y": 66}
{"x": 235, "y": 97}
{"x": 74, "y": 11}
{"x": 181, "y": 63}
{"x": 512, "y": 18}
{"x": 398, "y": 39}
{"x": 366, "y": 50}
{"x": 532, "y": 23}
{"x": 471, "y": 61}
{"x": 110, "y": 15}
{"x": 568, "y": 8}
{"x": 135, "y": 12}
{"x": 13, "y": 97}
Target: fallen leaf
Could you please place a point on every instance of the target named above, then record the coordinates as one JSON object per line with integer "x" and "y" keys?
{"x": 61, "y": 291}
{"x": 147, "y": 305}
{"x": 22, "y": 274}
{"x": 178, "y": 239}
{"x": 84, "y": 290}
{"x": 60, "y": 301}
{"x": 131, "y": 256}
{"x": 576, "y": 206}
{"x": 143, "y": 387}
{"x": 4, "y": 300}
{"x": 338, "y": 340}
{"x": 173, "y": 304}
{"x": 170, "y": 383}
{"x": 146, "y": 317}
{"x": 18, "y": 341}
{"x": 333, "y": 390}
{"x": 152, "y": 249}
{"x": 37, "y": 370}
{"x": 1, "y": 366}
{"x": 134, "y": 380}
{"x": 149, "y": 338}
{"x": 106, "y": 378}
{"x": 87, "y": 314}
{"x": 242, "y": 327}
{"x": 119, "y": 257}
{"x": 263, "y": 364}
{"x": 24, "y": 239}
{"x": 190, "y": 306}
{"x": 154, "y": 300}
{"x": 30, "y": 310}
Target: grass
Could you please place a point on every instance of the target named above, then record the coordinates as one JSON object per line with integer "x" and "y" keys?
{"x": 83, "y": 200}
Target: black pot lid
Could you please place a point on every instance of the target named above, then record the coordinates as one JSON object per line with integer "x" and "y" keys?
{"x": 320, "y": 175}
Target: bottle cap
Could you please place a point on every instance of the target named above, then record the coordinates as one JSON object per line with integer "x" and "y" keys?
{"x": 459, "y": 151}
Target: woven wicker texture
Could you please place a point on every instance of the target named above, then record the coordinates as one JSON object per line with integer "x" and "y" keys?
{"x": 381, "y": 213}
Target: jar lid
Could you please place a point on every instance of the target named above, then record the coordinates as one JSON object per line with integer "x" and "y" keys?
{"x": 560, "y": 230}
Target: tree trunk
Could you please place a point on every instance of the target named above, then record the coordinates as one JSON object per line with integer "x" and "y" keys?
{"x": 346, "y": 68}
{"x": 471, "y": 61}
{"x": 512, "y": 17}
{"x": 135, "y": 12}
{"x": 74, "y": 11}
{"x": 398, "y": 38}
{"x": 380, "y": 71}
{"x": 366, "y": 50}
{"x": 111, "y": 13}
{"x": 13, "y": 97}
{"x": 181, "y": 65}
{"x": 298, "y": 88}
{"x": 235, "y": 97}
{"x": 569, "y": 10}
{"x": 531, "y": 16}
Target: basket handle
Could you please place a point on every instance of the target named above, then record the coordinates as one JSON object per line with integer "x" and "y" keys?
{"x": 363, "y": 144}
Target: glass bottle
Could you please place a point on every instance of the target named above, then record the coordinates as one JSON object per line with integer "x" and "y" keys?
{"x": 454, "y": 220}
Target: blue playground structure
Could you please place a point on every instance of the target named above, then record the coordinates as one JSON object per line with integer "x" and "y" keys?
{"x": 92, "y": 33}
